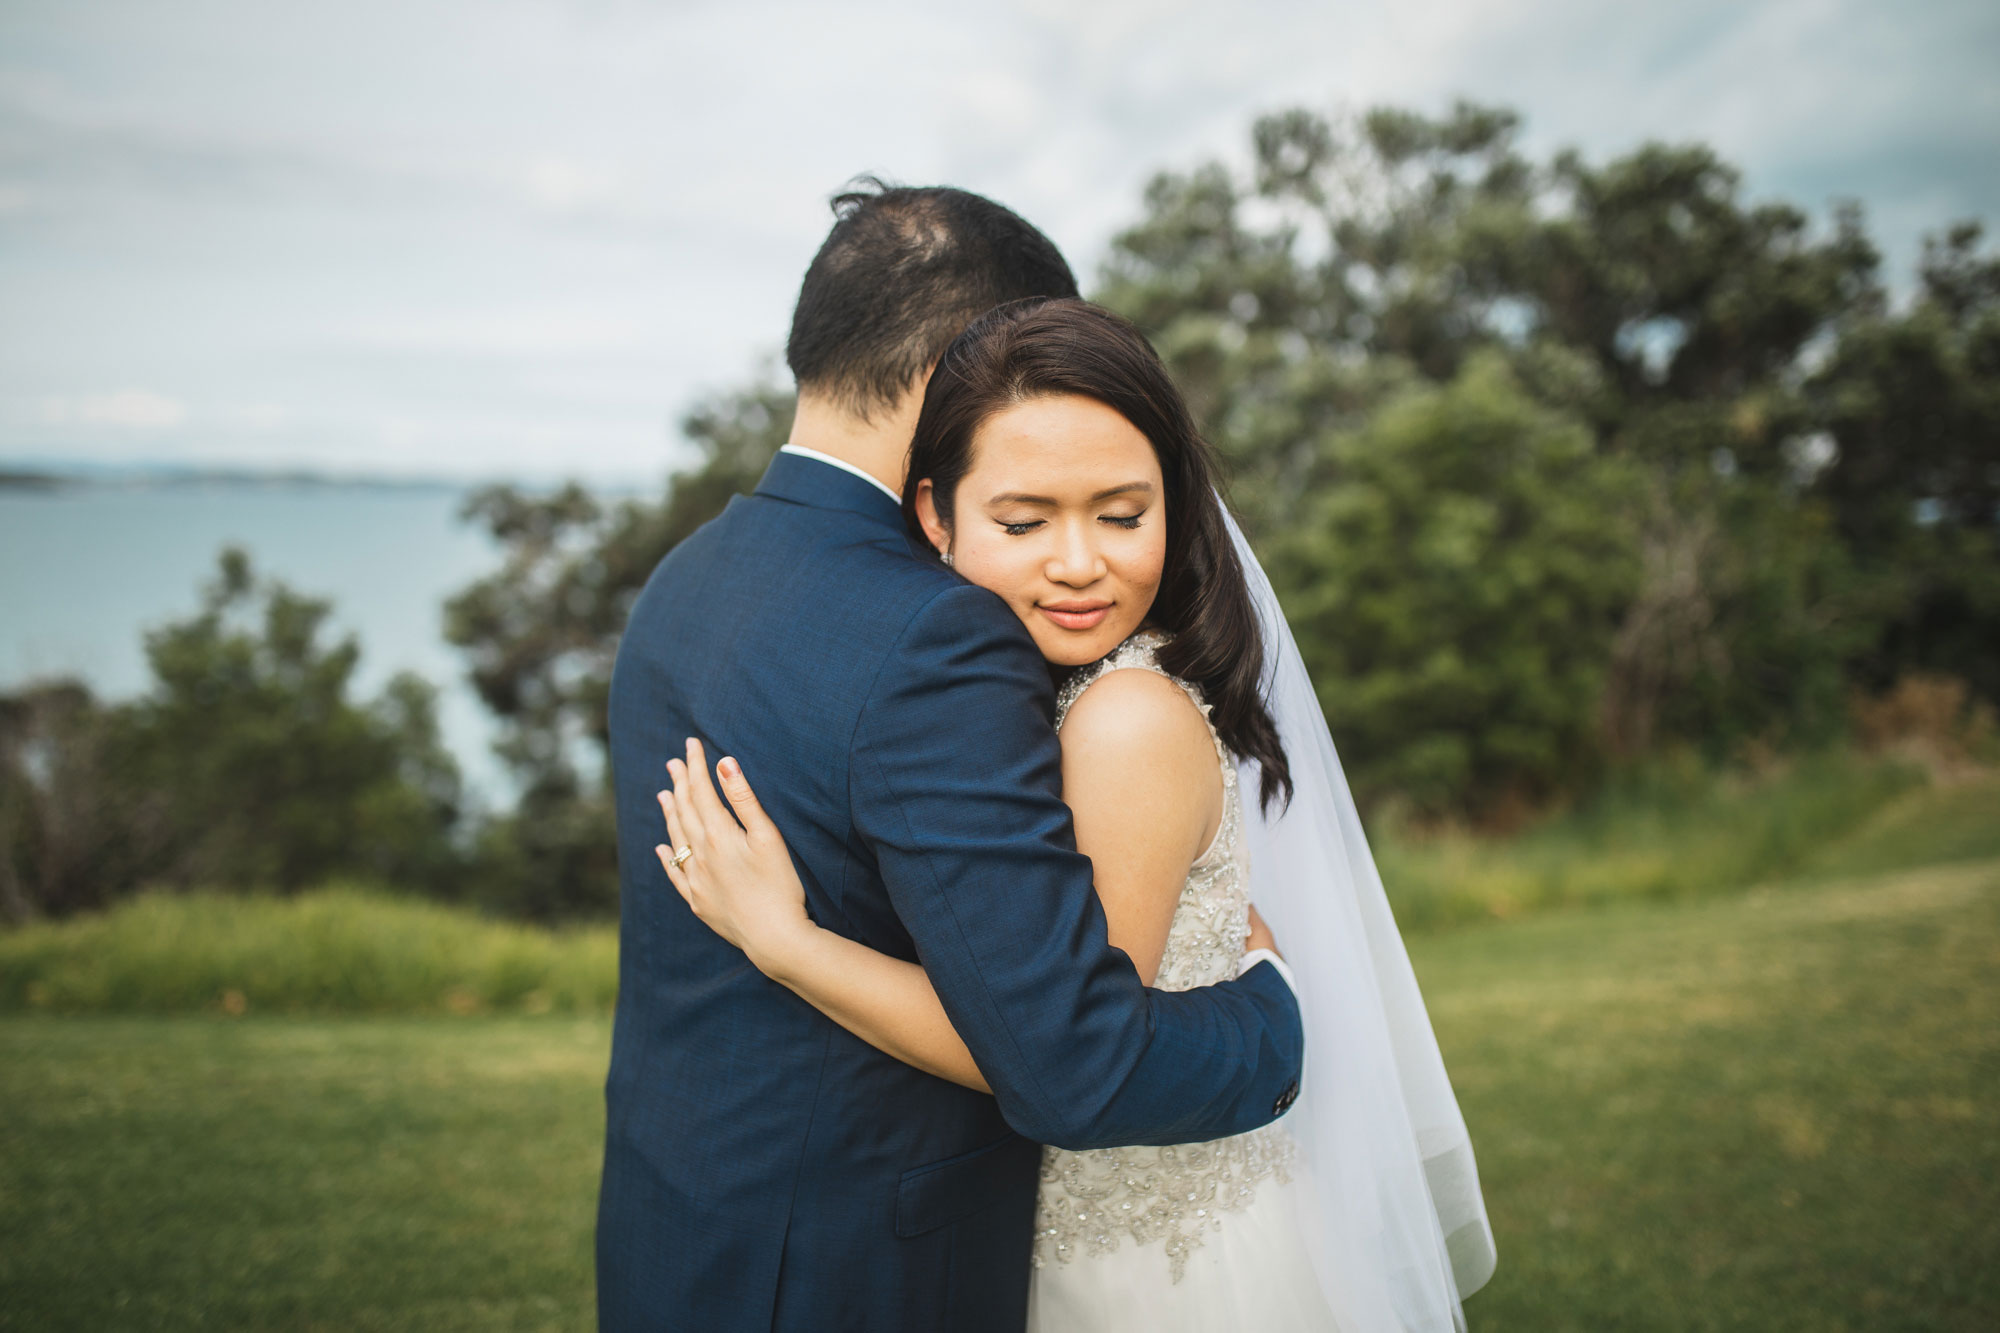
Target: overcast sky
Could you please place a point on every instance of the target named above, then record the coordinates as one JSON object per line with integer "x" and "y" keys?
{"x": 516, "y": 237}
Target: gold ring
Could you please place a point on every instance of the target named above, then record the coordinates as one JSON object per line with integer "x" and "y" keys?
{"x": 682, "y": 854}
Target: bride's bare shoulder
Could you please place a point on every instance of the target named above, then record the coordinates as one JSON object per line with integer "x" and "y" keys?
{"x": 1139, "y": 771}
{"x": 1134, "y": 715}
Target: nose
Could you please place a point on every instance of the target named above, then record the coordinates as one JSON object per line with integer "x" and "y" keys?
{"x": 1076, "y": 562}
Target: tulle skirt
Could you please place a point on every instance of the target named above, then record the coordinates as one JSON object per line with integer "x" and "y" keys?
{"x": 1254, "y": 1274}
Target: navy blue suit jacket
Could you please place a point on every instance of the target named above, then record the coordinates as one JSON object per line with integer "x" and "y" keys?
{"x": 764, "y": 1169}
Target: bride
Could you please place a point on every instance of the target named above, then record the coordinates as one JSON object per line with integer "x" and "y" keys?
{"x": 1056, "y": 464}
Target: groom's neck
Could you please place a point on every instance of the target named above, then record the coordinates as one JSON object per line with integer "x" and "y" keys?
{"x": 878, "y": 444}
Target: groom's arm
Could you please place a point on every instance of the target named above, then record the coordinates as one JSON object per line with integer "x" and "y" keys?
{"x": 957, "y": 787}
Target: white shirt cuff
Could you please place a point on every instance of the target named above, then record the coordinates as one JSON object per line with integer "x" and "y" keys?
{"x": 1256, "y": 956}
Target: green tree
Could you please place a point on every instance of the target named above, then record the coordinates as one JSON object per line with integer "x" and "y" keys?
{"x": 73, "y": 830}
{"x": 1909, "y": 465}
{"x": 246, "y": 764}
{"x": 1642, "y": 298}
{"x": 250, "y": 752}
{"x": 1456, "y": 586}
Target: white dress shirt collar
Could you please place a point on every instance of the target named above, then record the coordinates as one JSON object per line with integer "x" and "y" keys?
{"x": 844, "y": 466}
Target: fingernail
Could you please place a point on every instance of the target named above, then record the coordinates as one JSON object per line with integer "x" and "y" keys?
{"x": 729, "y": 768}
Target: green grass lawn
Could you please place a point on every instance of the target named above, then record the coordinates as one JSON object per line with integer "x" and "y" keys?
{"x": 1762, "y": 1112}
{"x": 199, "y": 1173}
{"x": 1767, "y": 1112}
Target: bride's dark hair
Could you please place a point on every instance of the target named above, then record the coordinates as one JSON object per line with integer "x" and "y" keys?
{"x": 1050, "y": 348}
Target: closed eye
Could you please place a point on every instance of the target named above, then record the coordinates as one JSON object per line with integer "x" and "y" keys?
{"x": 1022, "y": 529}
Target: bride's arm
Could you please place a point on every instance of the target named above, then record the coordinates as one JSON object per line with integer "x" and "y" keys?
{"x": 742, "y": 884}
{"x": 1138, "y": 766}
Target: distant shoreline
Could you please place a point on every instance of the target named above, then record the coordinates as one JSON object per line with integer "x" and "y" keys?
{"x": 13, "y": 480}
{"x": 45, "y": 481}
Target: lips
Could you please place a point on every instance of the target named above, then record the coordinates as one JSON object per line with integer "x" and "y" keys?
{"x": 1076, "y": 615}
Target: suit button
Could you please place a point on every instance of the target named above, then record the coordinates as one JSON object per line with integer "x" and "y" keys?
{"x": 1286, "y": 1098}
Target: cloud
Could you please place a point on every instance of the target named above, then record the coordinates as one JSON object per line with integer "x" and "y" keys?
{"x": 253, "y": 418}
{"x": 479, "y": 235}
{"x": 125, "y": 409}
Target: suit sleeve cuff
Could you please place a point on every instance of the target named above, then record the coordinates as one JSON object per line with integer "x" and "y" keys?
{"x": 1284, "y": 971}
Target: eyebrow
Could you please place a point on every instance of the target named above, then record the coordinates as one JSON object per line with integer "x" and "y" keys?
{"x": 1016, "y": 497}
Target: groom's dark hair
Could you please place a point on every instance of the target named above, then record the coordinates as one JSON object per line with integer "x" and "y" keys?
{"x": 902, "y": 271}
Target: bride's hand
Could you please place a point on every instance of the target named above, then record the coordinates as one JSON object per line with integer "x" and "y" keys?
{"x": 740, "y": 881}
{"x": 1260, "y": 934}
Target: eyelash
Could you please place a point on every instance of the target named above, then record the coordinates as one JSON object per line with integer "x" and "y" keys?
{"x": 1023, "y": 529}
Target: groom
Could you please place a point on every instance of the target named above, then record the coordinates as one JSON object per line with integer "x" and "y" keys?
{"x": 764, "y": 1169}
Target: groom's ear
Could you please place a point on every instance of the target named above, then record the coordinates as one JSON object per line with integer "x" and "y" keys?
{"x": 935, "y": 531}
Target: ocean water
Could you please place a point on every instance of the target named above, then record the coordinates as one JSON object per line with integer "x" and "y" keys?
{"x": 86, "y": 570}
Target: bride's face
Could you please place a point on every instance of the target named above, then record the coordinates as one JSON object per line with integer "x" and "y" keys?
{"x": 1063, "y": 513}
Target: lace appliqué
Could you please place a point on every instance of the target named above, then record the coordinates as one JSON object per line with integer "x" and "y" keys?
{"x": 1091, "y": 1201}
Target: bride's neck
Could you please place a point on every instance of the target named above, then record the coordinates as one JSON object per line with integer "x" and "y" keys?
{"x": 878, "y": 444}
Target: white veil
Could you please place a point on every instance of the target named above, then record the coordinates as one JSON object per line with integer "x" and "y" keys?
{"x": 1394, "y": 1190}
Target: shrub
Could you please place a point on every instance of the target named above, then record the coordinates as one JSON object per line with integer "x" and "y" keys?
{"x": 338, "y": 950}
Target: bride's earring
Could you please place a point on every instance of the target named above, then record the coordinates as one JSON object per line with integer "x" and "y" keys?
{"x": 946, "y": 557}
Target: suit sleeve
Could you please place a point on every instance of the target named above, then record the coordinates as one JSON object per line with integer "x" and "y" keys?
{"x": 957, "y": 788}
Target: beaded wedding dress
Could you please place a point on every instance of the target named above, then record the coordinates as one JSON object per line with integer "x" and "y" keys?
{"x": 1200, "y": 1237}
